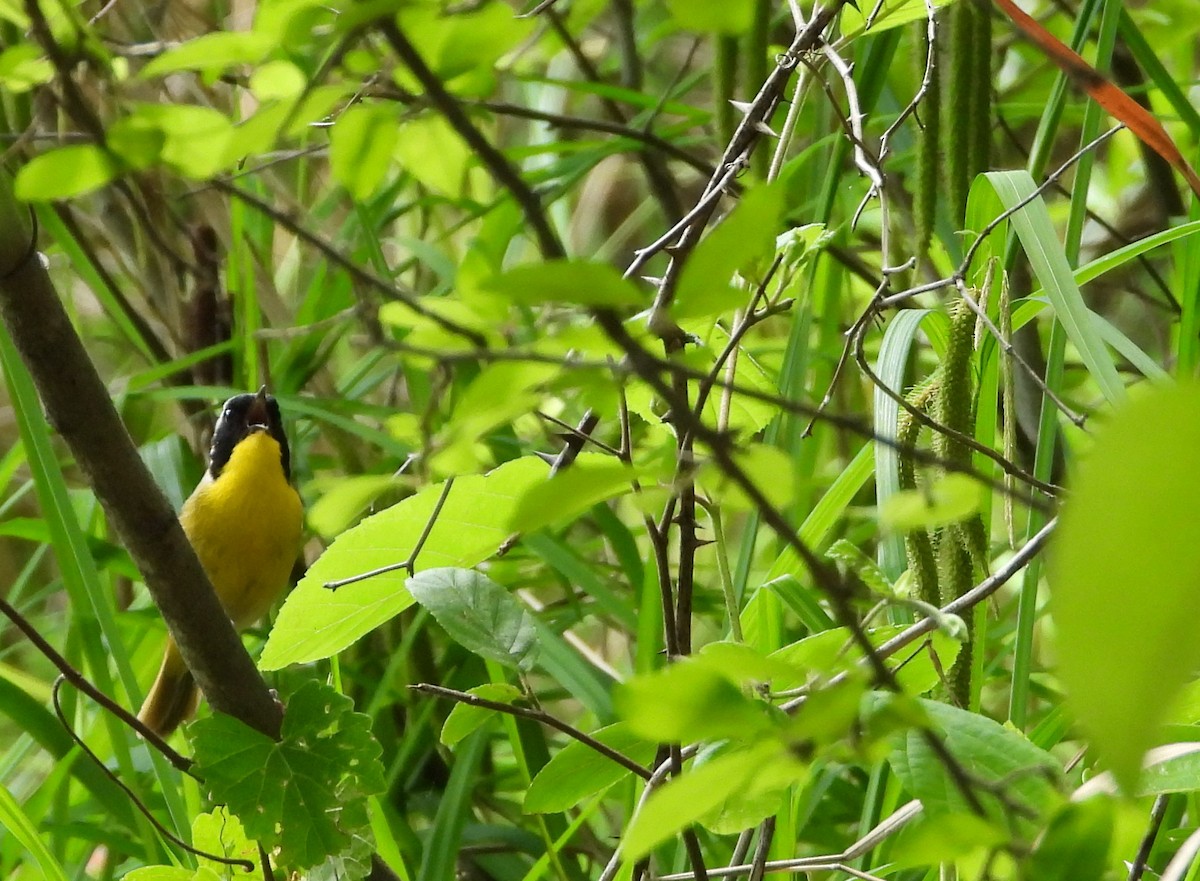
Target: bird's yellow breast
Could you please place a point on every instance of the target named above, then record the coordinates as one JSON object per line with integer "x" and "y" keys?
{"x": 246, "y": 528}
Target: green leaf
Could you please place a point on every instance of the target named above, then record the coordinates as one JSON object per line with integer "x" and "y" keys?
{"x": 1076, "y": 843}
{"x": 23, "y": 829}
{"x": 992, "y": 752}
{"x": 703, "y": 789}
{"x": 1049, "y": 263}
{"x": 465, "y": 718}
{"x": 948, "y": 499}
{"x": 1123, "y": 575}
{"x": 746, "y": 236}
{"x": 689, "y": 701}
{"x": 724, "y": 17}
{"x": 23, "y": 67}
{"x": 221, "y": 832}
{"x": 577, "y": 770}
{"x": 183, "y": 127}
{"x": 592, "y": 478}
{"x": 316, "y": 622}
{"x": 479, "y": 614}
{"x": 211, "y": 53}
{"x": 361, "y": 146}
{"x": 567, "y": 281}
{"x": 64, "y": 173}
{"x": 944, "y": 838}
{"x": 884, "y": 16}
{"x": 305, "y": 794}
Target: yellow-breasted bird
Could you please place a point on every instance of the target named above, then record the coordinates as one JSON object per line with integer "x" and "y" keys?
{"x": 244, "y": 520}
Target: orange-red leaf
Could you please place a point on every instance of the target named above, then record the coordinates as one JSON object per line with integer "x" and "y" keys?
{"x": 1135, "y": 117}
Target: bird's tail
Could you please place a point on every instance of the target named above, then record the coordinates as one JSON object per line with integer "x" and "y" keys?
{"x": 173, "y": 697}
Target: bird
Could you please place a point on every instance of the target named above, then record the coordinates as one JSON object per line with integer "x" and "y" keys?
{"x": 245, "y": 521}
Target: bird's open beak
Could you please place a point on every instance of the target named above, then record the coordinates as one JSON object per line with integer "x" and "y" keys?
{"x": 257, "y": 416}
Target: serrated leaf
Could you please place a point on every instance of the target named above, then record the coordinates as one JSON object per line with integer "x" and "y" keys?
{"x": 745, "y": 236}
{"x": 315, "y": 622}
{"x": 577, "y": 770}
{"x": 567, "y": 281}
{"x": 591, "y": 479}
{"x": 1123, "y": 575}
{"x": 63, "y": 173}
{"x": 361, "y": 146}
{"x": 304, "y": 794}
{"x": 886, "y": 15}
{"x": 478, "y": 614}
{"x": 690, "y": 701}
{"x": 465, "y": 718}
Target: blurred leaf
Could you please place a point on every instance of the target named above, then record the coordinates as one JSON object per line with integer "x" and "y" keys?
{"x": 305, "y": 794}
{"x": 567, "y": 281}
{"x": 64, "y": 172}
{"x": 479, "y": 614}
{"x": 745, "y": 237}
{"x": 577, "y": 771}
{"x": 24, "y": 66}
{"x": 219, "y": 831}
{"x": 361, "y": 146}
{"x": 703, "y": 789}
{"x": 725, "y": 17}
{"x": 211, "y": 53}
{"x": 690, "y": 701}
{"x": 316, "y": 622}
{"x": 465, "y": 718}
{"x": 1076, "y": 843}
{"x": 884, "y": 15}
{"x": 948, "y": 499}
{"x": 1123, "y": 595}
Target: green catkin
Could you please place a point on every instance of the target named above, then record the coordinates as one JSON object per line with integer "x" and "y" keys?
{"x": 928, "y": 145}
{"x": 918, "y": 545}
{"x": 981, "y": 97}
{"x": 958, "y": 544}
{"x": 957, "y": 108}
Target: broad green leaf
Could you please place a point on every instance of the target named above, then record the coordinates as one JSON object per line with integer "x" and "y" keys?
{"x": 171, "y": 873}
{"x": 63, "y": 173}
{"x": 1123, "y": 575}
{"x": 183, "y": 127}
{"x": 567, "y": 281}
{"x": 428, "y": 136}
{"x": 211, "y": 53}
{"x": 743, "y": 238}
{"x": 137, "y": 142}
{"x": 479, "y": 614}
{"x": 592, "y": 478}
{"x": 306, "y": 793}
{"x": 577, "y": 770}
{"x": 316, "y": 622}
{"x": 276, "y": 80}
{"x": 948, "y": 499}
{"x": 703, "y": 789}
{"x": 992, "y": 752}
{"x": 724, "y": 17}
{"x": 1076, "y": 843}
{"x": 361, "y": 146}
{"x": 465, "y": 718}
{"x": 690, "y": 701}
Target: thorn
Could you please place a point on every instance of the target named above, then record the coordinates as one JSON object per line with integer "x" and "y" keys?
{"x": 651, "y": 279}
{"x": 548, "y": 458}
{"x": 744, "y": 106}
{"x": 702, "y": 542}
{"x": 763, "y": 129}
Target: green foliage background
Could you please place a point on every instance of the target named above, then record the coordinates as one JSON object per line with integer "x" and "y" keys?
{"x": 448, "y": 287}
